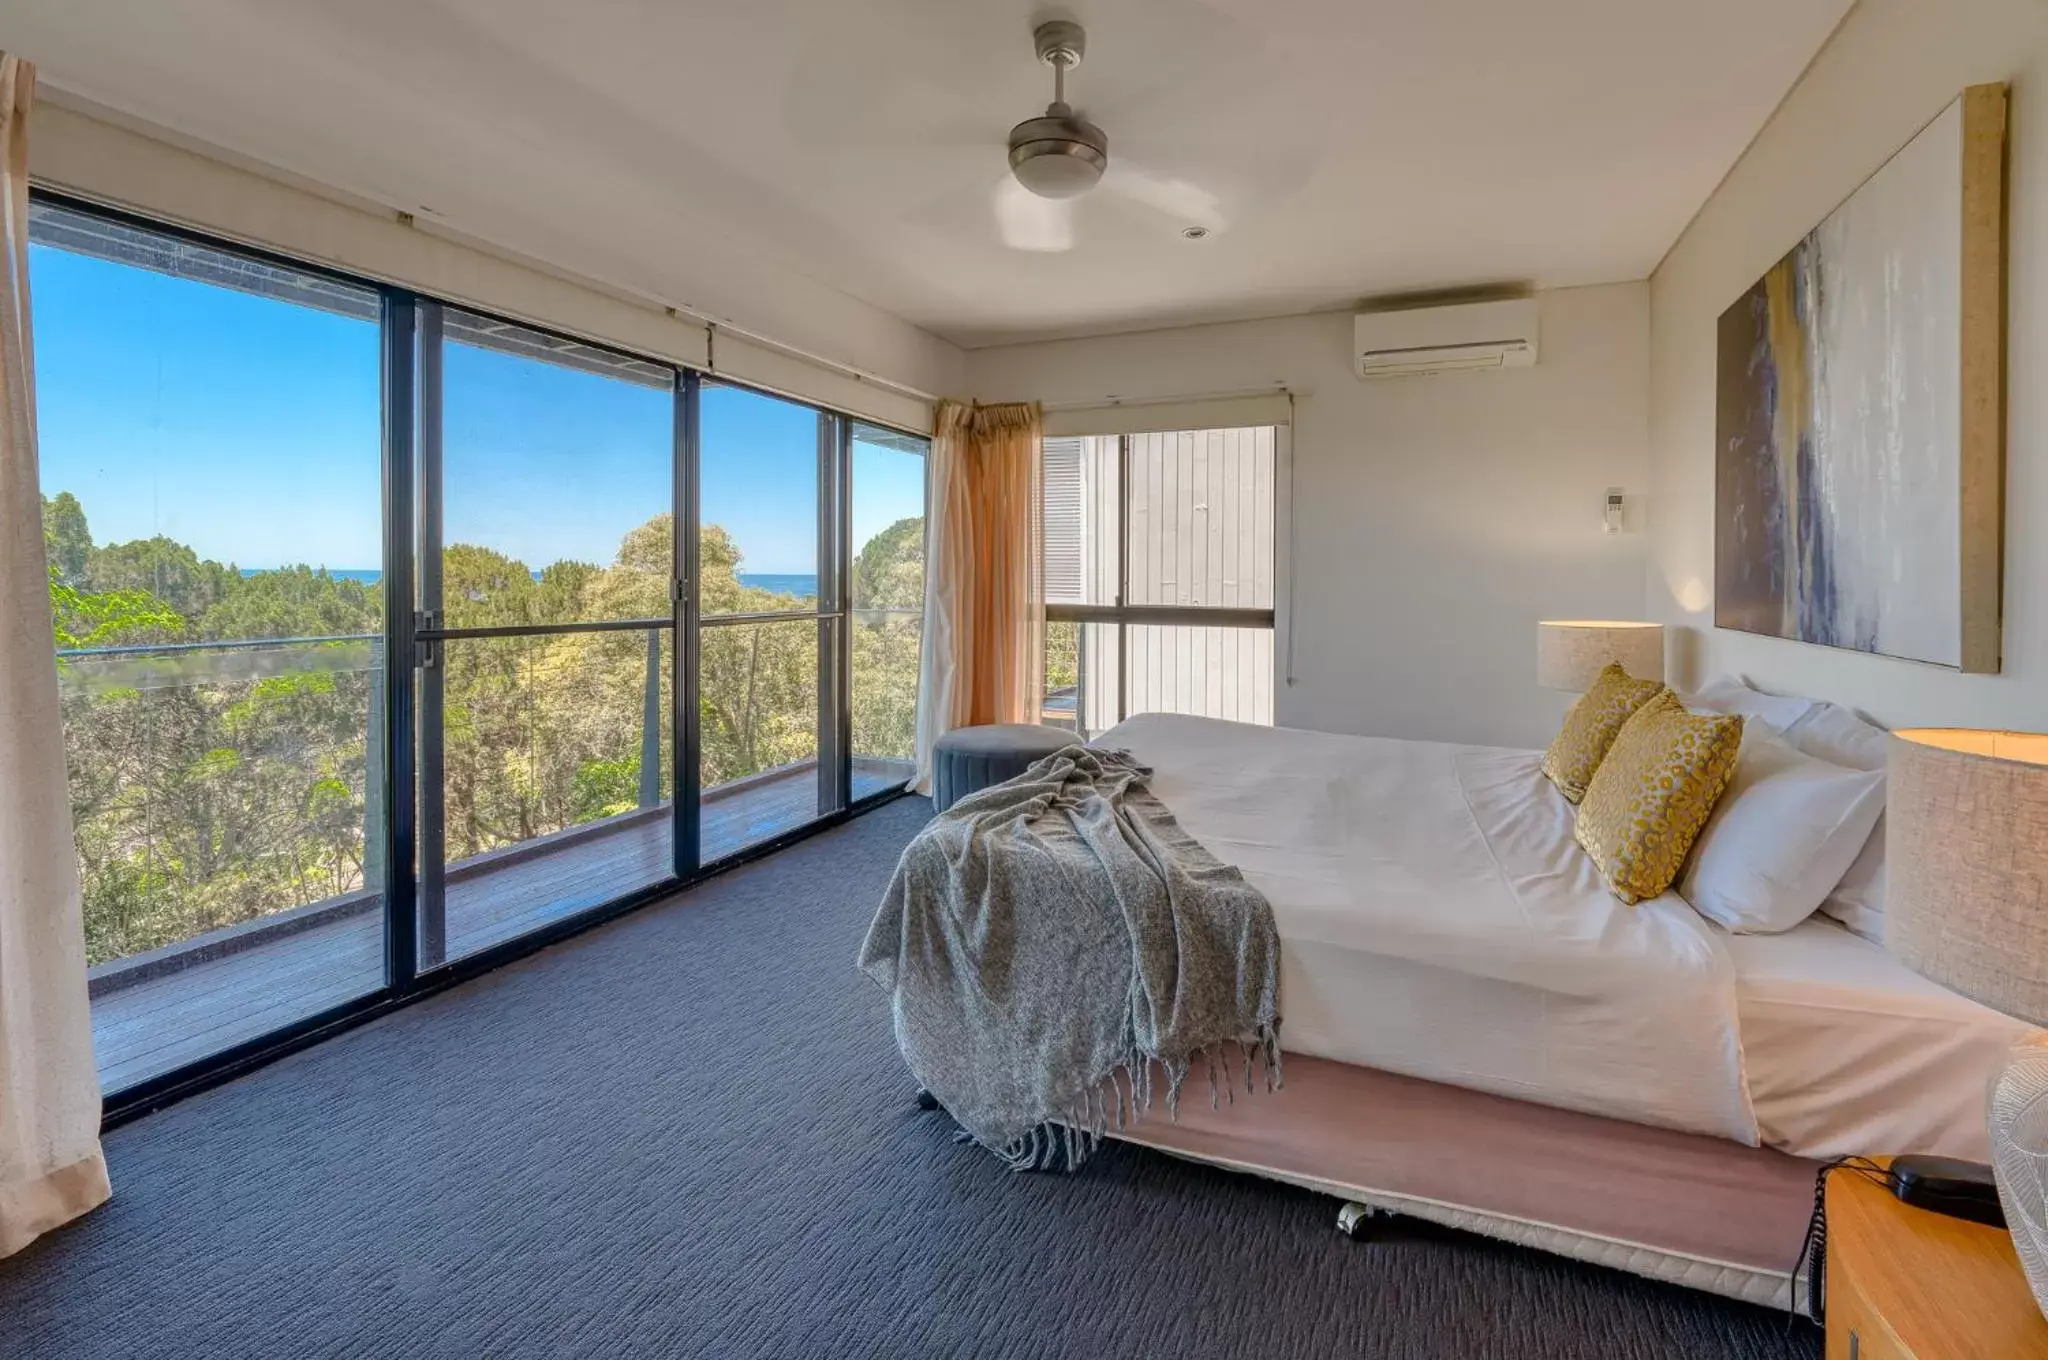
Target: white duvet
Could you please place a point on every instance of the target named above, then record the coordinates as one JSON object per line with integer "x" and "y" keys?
{"x": 1438, "y": 920}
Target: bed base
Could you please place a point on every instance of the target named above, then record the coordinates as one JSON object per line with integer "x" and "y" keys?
{"x": 1691, "y": 1210}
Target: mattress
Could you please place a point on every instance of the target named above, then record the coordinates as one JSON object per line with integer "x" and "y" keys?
{"x": 1848, "y": 1051}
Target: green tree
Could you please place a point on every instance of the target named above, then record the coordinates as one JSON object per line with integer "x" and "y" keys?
{"x": 1062, "y": 655}
{"x": 293, "y": 602}
{"x": 649, "y": 551}
{"x": 889, "y": 572}
{"x": 636, "y": 585}
{"x": 167, "y": 569}
{"x": 718, "y": 573}
{"x": 83, "y": 618}
{"x": 887, "y": 637}
{"x": 483, "y": 588}
{"x": 559, "y": 595}
{"x": 66, "y": 539}
{"x": 207, "y": 788}
{"x": 757, "y": 682}
{"x": 214, "y": 786}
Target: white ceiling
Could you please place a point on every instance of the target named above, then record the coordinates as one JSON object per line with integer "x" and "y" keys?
{"x": 1347, "y": 147}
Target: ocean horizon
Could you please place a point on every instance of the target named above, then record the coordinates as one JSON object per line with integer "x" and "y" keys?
{"x": 369, "y": 576}
{"x": 782, "y": 582}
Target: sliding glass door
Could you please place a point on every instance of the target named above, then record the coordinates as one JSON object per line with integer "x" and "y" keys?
{"x": 886, "y": 604}
{"x": 770, "y": 618}
{"x": 547, "y": 623}
{"x": 212, "y": 513}
{"x": 380, "y": 653}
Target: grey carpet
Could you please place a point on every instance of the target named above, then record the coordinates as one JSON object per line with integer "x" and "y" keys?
{"x": 688, "y": 1133}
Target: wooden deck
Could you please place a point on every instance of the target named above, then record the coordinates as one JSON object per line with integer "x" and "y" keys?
{"x": 185, "y": 1013}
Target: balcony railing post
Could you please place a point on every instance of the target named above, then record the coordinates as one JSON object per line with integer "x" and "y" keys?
{"x": 373, "y": 775}
{"x": 650, "y": 725}
{"x": 1081, "y": 729}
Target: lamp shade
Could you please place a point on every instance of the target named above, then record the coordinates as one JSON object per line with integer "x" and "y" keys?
{"x": 1570, "y": 653}
{"x": 1966, "y": 904}
{"x": 1966, "y": 849}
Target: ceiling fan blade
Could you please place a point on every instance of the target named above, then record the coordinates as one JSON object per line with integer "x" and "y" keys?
{"x": 1029, "y": 222}
{"x": 1189, "y": 204}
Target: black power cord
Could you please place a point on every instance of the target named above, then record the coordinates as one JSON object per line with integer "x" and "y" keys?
{"x": 1813, "y": 1254}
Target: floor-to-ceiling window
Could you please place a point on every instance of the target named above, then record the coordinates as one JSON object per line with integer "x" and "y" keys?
{"x": 210, "y": 441}
{"x": 1159, "y": 576}
{"x": 260, "y": 478}
{"x": 546, "y": 556}
{"x": 887, "y": 603}
{"x": 768, "y": 617}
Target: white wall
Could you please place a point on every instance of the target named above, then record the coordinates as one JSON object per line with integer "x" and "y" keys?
{"x": 1435, "y": 520}
{"x": 1893, "y": 65}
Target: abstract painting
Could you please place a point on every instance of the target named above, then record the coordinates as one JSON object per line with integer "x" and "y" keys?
{"x": 1859, "y": 453}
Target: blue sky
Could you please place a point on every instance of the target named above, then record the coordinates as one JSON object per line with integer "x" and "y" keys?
{"x": 249, "y": 429}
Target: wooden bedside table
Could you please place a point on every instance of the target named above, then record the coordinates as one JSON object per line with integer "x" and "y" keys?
{"x": 1907, "y": 1284}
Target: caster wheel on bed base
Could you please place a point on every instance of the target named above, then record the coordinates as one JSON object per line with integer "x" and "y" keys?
{"x": 1356, "y": 1221}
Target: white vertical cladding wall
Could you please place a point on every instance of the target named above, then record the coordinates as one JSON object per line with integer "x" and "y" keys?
{"x": 1433, "y": 520}
{"x": 1892, "y": 66}
{"x": 1202, "y": 536}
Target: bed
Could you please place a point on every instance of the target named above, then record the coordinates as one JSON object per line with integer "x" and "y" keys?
{"x": 1479, "y": 1033}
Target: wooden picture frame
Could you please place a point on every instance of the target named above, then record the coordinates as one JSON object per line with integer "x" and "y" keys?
{"x": 1983, "y": 378}
{"x": 1860, "y": 413}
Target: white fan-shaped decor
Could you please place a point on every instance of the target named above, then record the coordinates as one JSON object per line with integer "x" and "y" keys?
{"x": 2019, "y": 1158}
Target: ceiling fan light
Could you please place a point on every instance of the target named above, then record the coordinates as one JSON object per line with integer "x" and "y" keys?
{"x": 1059, "y": 155}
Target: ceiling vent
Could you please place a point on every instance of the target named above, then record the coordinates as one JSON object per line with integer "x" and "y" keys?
{"x": 1429, "y": 340}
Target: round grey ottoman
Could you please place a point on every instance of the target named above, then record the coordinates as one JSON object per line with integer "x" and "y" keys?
{"x": 968, "y": 759}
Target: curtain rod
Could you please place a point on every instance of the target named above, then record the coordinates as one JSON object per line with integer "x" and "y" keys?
{"x": 678, "y": 311}
{"x": 634, "y": 295}
{"x": 1098, "y": 403}
{"x": 862, "y": 375}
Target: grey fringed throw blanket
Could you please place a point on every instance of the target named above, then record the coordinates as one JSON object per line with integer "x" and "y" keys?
{"x": 1043, "y": 935}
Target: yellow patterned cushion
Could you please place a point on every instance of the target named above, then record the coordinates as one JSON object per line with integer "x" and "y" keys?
{"x": 1589, "y": 729}
{"x": 1654, "y": 792}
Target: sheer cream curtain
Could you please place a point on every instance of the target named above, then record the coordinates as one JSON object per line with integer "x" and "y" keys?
{"x": 984, "y": 604}
{"x": 51, "y": 1170}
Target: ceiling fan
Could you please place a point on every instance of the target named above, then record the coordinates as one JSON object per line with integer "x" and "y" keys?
{"x": 1059, "y": 156}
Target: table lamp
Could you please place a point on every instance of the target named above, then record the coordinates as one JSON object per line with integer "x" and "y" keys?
{"x": 1966, "y": 905}
{"x": 1570, "y": 653}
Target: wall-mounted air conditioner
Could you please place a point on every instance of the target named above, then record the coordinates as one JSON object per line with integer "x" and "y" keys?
{"x": 1476, "y": 335}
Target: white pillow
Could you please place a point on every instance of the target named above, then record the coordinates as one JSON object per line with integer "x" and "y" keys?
{"x": 1858, "y": 900}
{"x": 1775, "y": 711}
{"x": 1782, "y": 836}
{"x": 1836, "y": 734}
